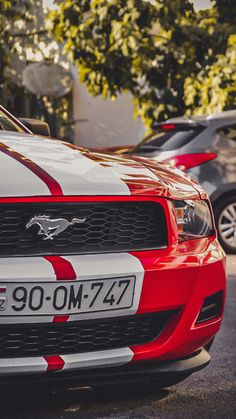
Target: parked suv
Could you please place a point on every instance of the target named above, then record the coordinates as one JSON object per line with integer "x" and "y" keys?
{"x": 205, "y": 147}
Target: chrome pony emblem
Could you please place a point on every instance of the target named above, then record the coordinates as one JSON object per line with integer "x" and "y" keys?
{"x": 52, "y": 227}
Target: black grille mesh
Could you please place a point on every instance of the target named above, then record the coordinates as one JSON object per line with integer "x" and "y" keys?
{"x": 109, "y": 227}
{"x": 83, "y": 336}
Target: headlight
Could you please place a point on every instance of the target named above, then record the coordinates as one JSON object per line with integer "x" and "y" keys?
{"x": 193, "y": 219}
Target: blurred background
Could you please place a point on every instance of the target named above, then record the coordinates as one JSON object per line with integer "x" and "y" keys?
{"x": 101, "y": 72}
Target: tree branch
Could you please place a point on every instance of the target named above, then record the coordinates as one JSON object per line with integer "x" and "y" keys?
{"x": 25, "y": 34}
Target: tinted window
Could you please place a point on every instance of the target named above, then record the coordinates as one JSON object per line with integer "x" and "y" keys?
{"x": 166, "y": 140}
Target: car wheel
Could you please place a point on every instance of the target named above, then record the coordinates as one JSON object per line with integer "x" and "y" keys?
{"x": 225, "y": 215}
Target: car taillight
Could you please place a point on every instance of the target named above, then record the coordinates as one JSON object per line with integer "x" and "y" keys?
{"x": 168, "y": 127}
{"x": 187, "y": 161}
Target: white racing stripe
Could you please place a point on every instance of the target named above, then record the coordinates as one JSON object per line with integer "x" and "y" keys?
{"x": 86, "y": 267}
{"x": 75, "y": 173}
{"x": 17, "y": 180}
{"x": 112, "y": 265}
{"x": 13, "y": 366}
{"x": 37, "y": 365}
{"x": 111, "y": 357}
{"x": 25, "y": 269}
{"x": 128, "y": 172}
{"x": 26, "y": 319}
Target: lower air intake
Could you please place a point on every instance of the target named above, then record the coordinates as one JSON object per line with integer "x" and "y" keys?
{"x": 212, "y": 307}
{"x": 82, "y": 336}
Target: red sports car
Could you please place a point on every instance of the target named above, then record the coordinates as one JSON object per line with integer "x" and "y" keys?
{"x": 110, "y": 266}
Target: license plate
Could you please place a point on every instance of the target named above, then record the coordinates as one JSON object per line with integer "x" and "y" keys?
{"x": 49, "y": 298}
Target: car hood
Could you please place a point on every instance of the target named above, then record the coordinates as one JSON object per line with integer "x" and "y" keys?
{"x": 39, "y": 166}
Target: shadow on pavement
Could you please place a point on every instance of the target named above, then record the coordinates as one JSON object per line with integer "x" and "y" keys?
{"x": 47, "y": 402}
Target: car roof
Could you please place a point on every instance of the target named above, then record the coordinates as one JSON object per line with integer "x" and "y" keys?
{"x": 231, "y": 114}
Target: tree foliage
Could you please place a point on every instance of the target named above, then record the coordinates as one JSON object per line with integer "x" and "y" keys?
{"x": 213, "y": 87}
{"x": 25, "y": 39}
{"x": 8, "y": 16}
{"x": 171, "y": 58}
{"x": 22, "y": 31}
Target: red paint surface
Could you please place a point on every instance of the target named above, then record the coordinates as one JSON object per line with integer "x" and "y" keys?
{"x": 63, "y": 269}
{"x": 60, "y": 319}
{"x": 181, "y": 280}
{"x": 49, "y": 181}
{"x": 167, "y": 182}
{"x": 97, "y": 198}
{"x": 64, "y": 272}
{"x": 178, "y": 277}
{"x": 55, "y": 362}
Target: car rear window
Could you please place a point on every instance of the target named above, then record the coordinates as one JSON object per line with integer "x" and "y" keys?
{"x": 167, "y": 140}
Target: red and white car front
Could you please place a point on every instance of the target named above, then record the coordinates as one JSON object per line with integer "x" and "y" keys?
{"x": 99, "y": 268}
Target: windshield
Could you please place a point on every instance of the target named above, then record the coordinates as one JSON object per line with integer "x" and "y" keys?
{"x": 8, "y": 124}
{"x": 166, "y": 140}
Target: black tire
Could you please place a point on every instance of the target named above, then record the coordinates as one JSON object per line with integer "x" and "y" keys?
{"x": 219, "y": 209}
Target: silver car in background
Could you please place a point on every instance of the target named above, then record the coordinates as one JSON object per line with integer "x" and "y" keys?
{"x": 204, "y": 147}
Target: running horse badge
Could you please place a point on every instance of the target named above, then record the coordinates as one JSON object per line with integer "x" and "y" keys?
{"x": 52, "y": 227}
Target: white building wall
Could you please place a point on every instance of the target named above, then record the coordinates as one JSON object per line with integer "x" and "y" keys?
{"x": 104, "y": 122}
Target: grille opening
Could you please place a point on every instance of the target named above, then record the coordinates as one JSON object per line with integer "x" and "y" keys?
{"x": 212, "y": 307}
{"x": 109, "y": 227}
{"x": 81, "y": 336}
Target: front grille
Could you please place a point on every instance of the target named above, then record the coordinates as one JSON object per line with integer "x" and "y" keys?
{"x": 83, "y": 336}
{"x": 109, "y": 227}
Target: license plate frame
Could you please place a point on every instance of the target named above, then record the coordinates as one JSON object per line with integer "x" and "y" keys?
{"x": 109, "y": 287}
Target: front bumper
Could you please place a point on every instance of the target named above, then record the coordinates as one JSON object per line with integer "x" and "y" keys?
{"x": 139, "y": 372}
{"x": 178, "y": 279}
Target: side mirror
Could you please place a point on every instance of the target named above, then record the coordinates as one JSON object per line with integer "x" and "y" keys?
{"x": 36, "y": 126}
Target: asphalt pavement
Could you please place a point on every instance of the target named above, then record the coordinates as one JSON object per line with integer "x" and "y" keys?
{"x": 210, "y": 393}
